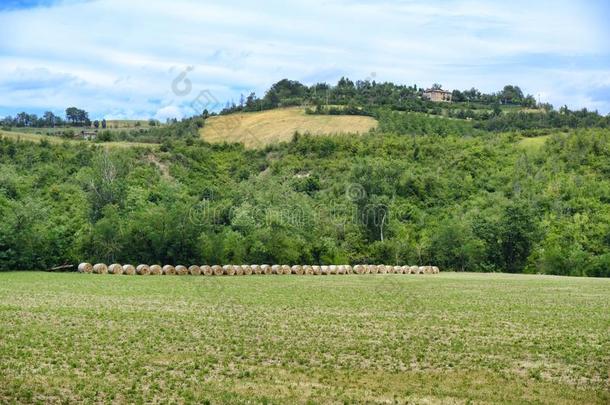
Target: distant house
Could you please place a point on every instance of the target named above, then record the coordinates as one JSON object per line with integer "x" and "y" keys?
{"x": 88, "y": 135}
{"x": 437, "y": 95}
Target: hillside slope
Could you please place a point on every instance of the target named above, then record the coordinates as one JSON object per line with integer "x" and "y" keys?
{"x": 266, "y": 127}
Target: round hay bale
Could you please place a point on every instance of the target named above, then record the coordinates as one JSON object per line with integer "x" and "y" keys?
{"x": 436, "y": 270}
{"x": 228, "y": 270}
{"x": 359, "y": 269}
{"x": 246, "y": 269}
{"x": 195, "y": 270}
{"x": 276, "y": 269}
{"x": 373, "y": 269}
{"x": 406, "y": 270}
{"x": 413, "y": 270}
{"x": 349, "y": 269}
{"x": 307, "y": 270}
{"x": 286, "y": 269}
{"x": 169, "y": 270}
{"x": 100, "y": 268}
{"x": 324, "y": 270}
{"x": 422, "y": 270}
{"x": 340, "y": 269}
{"x": 143, "y": 270}
{"x": 332, "y": 269}
{"x": 397, "y": 269}
{"x": 317, "y": 270}
{"x": 85, "y": 268}
{"x": 256, "y": 269}
{"x": 389, "y": 269}
{"x": 155, "y": 270}
{"x": 129, "y": 270}
{"x": 115, "y": 268}
{"x": 296, "y": 269}
{"x": 181, "y": 270}
{"x": 266, "y": 269}
{"x": 382, "y": 269}
{"x": 206, "y": 270}
{"x": 237, "y": 270}
{"x": 217, "y": 270}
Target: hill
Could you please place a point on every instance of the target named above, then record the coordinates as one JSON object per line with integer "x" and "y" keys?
{"x": 255, "y": 129}
{"x": 33, "y": 137}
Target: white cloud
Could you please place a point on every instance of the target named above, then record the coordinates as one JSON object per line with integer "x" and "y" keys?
{"x": 123, "y": 56}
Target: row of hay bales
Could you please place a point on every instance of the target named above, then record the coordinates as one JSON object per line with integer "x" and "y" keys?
{"x": 247, "y": 269}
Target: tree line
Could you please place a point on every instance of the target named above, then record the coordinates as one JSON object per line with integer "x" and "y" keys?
{"x": 479, "y": 203}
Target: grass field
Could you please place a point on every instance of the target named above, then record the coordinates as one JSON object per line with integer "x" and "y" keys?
{"x": 451, "y": 338}
{"x": 266, "y": 127}
{"x": 533, "y": 143}
{"x": 30, "y": 137}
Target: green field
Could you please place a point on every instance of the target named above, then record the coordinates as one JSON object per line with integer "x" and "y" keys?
{"x": 451, "y": 338}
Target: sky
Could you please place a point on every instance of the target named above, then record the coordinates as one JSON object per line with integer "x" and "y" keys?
{"x": 162, "y": 59}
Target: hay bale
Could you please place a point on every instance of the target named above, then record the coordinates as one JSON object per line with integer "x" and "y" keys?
{"x": 228, "y": 270}
{"x": 317, "y": 270}
{"x": 341, "y": 269}
{"x": 389, "y": 269}
{"x": 349, "y": 269}
{"x": 143, "y": 270}
{"x": 195, "y": 270}
{"x": 266, "y": 269}
{"x": 308, "y": 270}
{"x": 413, "y": 269}
{"x": 358, "y": 269}
{"x": 206, "y": 270}
{"x": 382, "y": 269}
{"x": 276, "y": 269}
{"x": 332, "y": 269}
{"x": 237, "y": 270}
{"x": 247, "y": 270}
{"x": 100, "y": 268}
{"x": 406, "y": 270}
{"x": 324, "y": 270}
{"x": 155, "y": 270}
{"x": 115, "y": 268}
{"x": 286, "y": 269}
{"x": 422, "y": 270}
{"x": 85, "y": 268}
{"x": 373, "y": 269}
{"x": 217, "y": 270}
{"x": 169, "y": 270}
{"x": 296, "y": 269}
{"x": 181, "y": 270}
{"x": 256, "y": 269}
{"x": 436, "y": 270}
{"x": 397, "y": 269}
{"x": 129, "y": 270}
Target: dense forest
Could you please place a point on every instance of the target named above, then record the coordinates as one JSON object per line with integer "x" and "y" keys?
{"x": 450, "y": 184}
{"x": 462, "y": 202}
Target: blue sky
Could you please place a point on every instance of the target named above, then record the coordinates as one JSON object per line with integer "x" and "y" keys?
{"x": 120, "y": 59}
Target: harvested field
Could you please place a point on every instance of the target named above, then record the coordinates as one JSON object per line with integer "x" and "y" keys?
{"x": 451, "y": 338}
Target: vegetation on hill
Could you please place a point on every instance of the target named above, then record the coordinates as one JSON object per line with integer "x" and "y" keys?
{"x": 461, "y": 202}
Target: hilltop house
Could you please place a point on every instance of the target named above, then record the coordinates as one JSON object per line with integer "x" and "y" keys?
{"x": 437, "y": 95}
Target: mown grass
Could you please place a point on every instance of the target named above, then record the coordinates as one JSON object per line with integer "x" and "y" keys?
{"x": 257, "y": 129}
{"x": 454, "y": 338}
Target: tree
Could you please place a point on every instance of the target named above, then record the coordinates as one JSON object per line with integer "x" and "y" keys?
{"x": 96, "y": 124}
{"x": 77, "y": 116}
{"x": 104, "y": 123}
